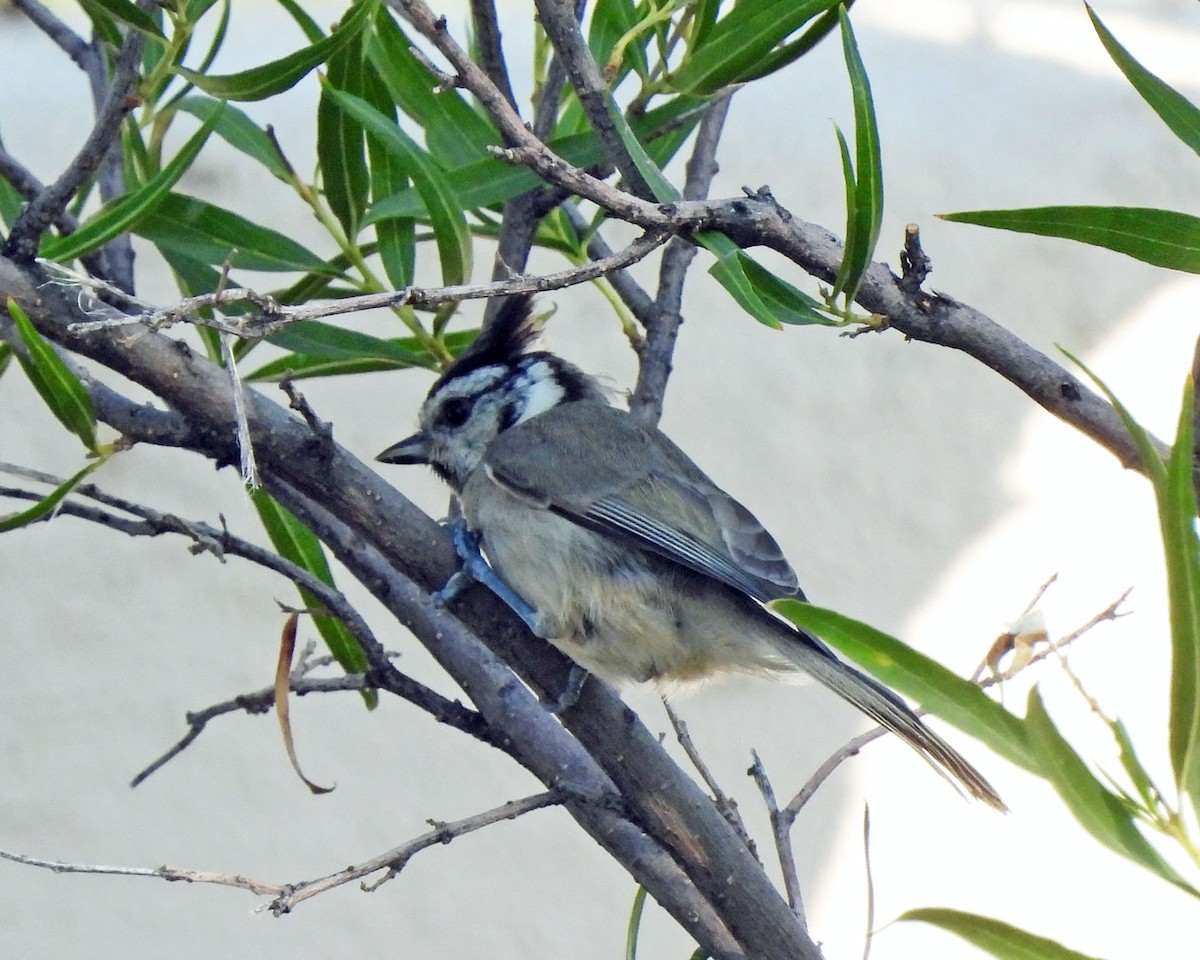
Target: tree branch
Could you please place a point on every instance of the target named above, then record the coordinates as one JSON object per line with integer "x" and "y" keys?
{"x": 559, "y": 21}
{"x": 273, "y": 316}
{"x": 23, "y": 240}
{"x": 658, "y": 348}
{"x": 287, "y": 896}
{"x": 66, "y": 39}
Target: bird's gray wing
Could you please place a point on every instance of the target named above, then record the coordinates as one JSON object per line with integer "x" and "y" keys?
{"x": 599, "y": 467}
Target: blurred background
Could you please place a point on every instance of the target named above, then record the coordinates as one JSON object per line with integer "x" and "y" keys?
{"x": 911, "y": 488}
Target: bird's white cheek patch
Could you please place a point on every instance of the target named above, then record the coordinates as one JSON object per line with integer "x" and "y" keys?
{"x": 542, "y": 391}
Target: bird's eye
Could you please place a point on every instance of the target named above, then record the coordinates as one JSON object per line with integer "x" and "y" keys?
{"x": 455, "y": 412}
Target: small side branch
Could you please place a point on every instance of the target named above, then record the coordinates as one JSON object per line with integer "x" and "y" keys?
{"x": 22, "y": 243}
{"x": 396, "y": 859}
{"x": 274, "y": 317}
{"x": 287, "y": 896}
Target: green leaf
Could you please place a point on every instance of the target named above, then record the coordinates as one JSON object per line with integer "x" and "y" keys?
{"x": 341, "y": 143}
{"x": 11, "y": 203}
{"x": 1164, "y": 238}
{"x": 864, "y": 216}
{"x": 1177, "y": 514}
{"x": 445, "y": 210}
{"x": 6, "y": 355}
{"x": 396, "y": 236}
{"x": 492, "y": 181}
{"x": 123, "y": 11}
{"x": 730, "y": 271}
{"x": 1143, "y": 784}
{"x": 938, "y": 690}
{"x": 297, "y": 543}
{"x": 336, "y": 343}
{"x": 238, "y": 130}
{"x": 1176, "y": 111}
{"x": 1001, "y": 940}
{"x": 54, "y": 381}
{"x": 790, "y": 52}
{"x": 1099, "y": 811}
{"x": 304, "y": 21}
{"x": 266, "y": 80}
{"x": 1176, "y": 510}
{"x": 209, "y": 234}
{"x": 48, "y": 504}
{"x": 125, "y": 212}
{"x": 738, "y": 43}
{"x": 454, "y": 133}
{"x": 786, "y": 302}
{"x": 327, "y": 360}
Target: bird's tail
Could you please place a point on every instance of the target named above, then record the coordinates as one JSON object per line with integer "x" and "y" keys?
{"x": 889, "y": 711}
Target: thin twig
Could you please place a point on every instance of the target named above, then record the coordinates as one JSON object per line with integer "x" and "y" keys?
{"x": 725, "y": 803}
{"x": 258, "y": 702}
{"x": 870, "y": 935}
{"x": 491, "y": 52}
{"x": 852, "y": 747}
{"x": 22, "y": 242}
{"x": 170, "y": 874}
{"x": 781, "y": 828}
{"x": 563, "y": 30}
{"x": 275, "y": 317}
{"x": 245, "y": 446}
{"x": 287, "y": 896}
{"x": 658, "y": 348}
{"x": 66, "y": 39}
{"x": 397, "y": 859}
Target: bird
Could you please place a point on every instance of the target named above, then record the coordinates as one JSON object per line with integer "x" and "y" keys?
{"x": 611, "y": 543}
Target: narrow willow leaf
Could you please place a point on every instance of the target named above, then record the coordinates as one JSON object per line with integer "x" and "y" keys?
{"x": 957, "y": 701}
{"x": 788, "y": 303}
{"x": 6, "y": 355}
{"x": 445, "y": 210}
{"x": 341, "y": 143}
{"x": 400, "y": 353}
{"x": 304, "y": 21}
{"x": 124, "y": 213}
{"x": 103, "y": 26}
{"x": 1165, "y": 238}
{"x": 792, "y": 51}
{"x": 729, "y": 270}
{"x": 283, "y": 713}
{"x": 123, "y": 11}
{"x": 297, "y": 543}
{"x": 48, "y": 504}
{"x": 491, "y": 181}
{"x": 1143, "y": 784}
{"x": 454, "y": 133}
{"x": 737, "y": 44}
{"x": 210, "y": 234}
{"x": 1099, "y": 811}
{"x": 1001, "y": 940}
{"x": 396, "y": 236}
{"x": 866, "y": 216}
{"x": 318, "y": 339}
{"x": 238, "y": 130}
{"x": 1177, "y": 511}
{"x": 54, "y": 381}
{"x": 266, "y": 80}
{"x": 1185, "y": 644}
{"x": 11, "y": 203}
{"x": 1176, "y": 111}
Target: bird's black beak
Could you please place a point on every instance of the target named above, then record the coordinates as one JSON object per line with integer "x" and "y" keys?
{"x": 414, "y": 449}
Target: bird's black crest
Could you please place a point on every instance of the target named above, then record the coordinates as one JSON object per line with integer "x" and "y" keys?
{"x": 503, "y": 341}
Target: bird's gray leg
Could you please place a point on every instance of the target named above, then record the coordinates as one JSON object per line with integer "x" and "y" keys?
{"x": 475, "y": 568}
{"x": 567, "y": 699}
